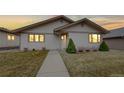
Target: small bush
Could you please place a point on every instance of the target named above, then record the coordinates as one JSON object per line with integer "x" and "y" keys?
{"x": 103, "y": 47}
{"x": 71, "y": 47}
{"x": 33, "y": 49}
{"x": 25, "y": 49}
{"x": 80, "y": 49}
{"x": 43, "y": 48}
{"x": 87, "y": 50}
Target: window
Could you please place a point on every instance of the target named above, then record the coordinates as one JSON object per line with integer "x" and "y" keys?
{"x": 63, "y": 37}
{"x": 94, "y": 38}
{"x": 36, "y": 38}
{"x": 10, "y": 37}
{"x": 31, "y": 38}
{"x": 41, "y": 38}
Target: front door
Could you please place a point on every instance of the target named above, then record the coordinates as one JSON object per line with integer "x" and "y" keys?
{"x": 63, "y": 41}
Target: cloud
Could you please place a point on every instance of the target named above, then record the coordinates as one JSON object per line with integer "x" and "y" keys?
{"x": 107, "y": 21}
{"x": 13, "y": 22}
{"x": 113, "y": 25}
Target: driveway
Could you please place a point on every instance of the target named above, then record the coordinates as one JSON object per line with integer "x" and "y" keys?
{"x": 53, "y": 66}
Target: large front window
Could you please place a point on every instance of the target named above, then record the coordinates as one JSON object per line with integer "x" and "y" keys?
{"x": 36, "y": 38}
{"x": 94, "y": 38}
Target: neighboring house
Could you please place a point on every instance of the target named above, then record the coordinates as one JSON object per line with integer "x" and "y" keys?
{"x": 54, "y": 33}
{"x": 115, "y": 39}
{"x": 8, "y": 40}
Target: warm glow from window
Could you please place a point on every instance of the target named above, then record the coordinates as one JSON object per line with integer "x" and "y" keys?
{"x": 10, "y": 37}
{"x": 90, "y": 38}
{"x": 41, "y": 38}
{"x": 98, "y": 38}
{"x": 13, "y": 37}
{"x": 94, "y": 38}
{"x": 36, "y": 38}
{"x": 63, "y": 37}
{"x": 31, "y": 38}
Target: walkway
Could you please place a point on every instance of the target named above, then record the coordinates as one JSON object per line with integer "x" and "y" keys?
{"x": 53, "y": 66}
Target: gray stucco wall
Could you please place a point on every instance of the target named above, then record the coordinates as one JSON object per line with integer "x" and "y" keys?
{"x": 51, "y": 41}
{"x": 82, "y": 28}
{"x": 82, "y": 40}
{"x": 4, "y": 42}
{"x": 80, "y": 36}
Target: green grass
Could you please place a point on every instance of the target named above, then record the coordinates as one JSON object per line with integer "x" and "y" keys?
{"x": 95, "y": 64}
{"x": 21, "y": 64}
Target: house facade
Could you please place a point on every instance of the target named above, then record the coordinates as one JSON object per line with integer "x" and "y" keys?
{"x": 85, "y": 34}
{"x": 54, "y": 34}
{"x": 41, "y": 35}
{"x": 8, "y": 40}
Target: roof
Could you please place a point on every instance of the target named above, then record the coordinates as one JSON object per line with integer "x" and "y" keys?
{"x": 115, "y": 33}
{"x": 43, "y": 22}
{"x": 85, "y": 20}
{"x": 4, "y": 30}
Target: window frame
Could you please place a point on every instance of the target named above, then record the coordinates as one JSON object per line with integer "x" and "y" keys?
{"x": 34, "y": 41}
{"x": 11, "y": 37}
{"x": 98, "y": 39}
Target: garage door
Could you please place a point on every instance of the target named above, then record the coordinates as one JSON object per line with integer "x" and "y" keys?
{"x": 115, "y": 43}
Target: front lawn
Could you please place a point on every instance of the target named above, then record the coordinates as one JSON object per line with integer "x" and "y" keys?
{"x": 95, "y": 64}
{"x": 21, "y": 64}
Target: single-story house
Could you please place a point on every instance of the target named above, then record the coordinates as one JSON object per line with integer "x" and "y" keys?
{"x": 8, "y": 40}
{"x": 54, "y": 33}
{"x": 115, "y": 39}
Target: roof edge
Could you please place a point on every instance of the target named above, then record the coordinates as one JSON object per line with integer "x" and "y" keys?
{"x": 82, "y": 20}
{"x": 42, "y": 22}
{"x": 2, "y": 29}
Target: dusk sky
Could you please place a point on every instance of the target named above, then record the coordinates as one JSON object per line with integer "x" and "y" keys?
{"x": 108, "y": 22}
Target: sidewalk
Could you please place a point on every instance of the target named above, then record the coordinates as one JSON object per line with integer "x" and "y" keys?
{"x": 53, "y": 66}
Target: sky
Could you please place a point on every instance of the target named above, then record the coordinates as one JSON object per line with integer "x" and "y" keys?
{"x": 15, "y": 21}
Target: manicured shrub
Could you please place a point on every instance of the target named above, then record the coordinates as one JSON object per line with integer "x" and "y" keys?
{"x": 71, "y": 47}
{"x": 43, "y": 48}
{"x": 33, "y": 49}
{"x": 25, "y": 49}
{"x": 103, "y": 47}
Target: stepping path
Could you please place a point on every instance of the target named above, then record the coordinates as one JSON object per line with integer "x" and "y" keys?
{"x": 53, "y": 66}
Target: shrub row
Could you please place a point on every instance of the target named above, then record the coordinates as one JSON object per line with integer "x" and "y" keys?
{"x": 72, "y": 49}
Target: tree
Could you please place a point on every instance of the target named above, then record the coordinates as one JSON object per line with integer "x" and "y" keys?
{"x": 103, "y": 47}
{"x": 71, "y": 47}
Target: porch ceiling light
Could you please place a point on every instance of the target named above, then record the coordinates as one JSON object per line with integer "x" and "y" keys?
{"x": 62, "y": 37}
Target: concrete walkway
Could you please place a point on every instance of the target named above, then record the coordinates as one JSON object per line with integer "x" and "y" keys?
{"x": 53, "y": 66}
